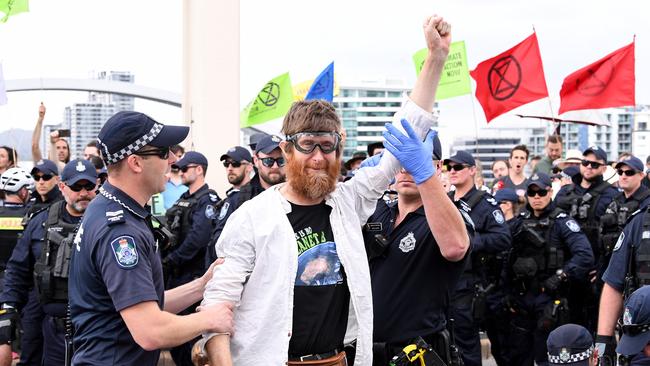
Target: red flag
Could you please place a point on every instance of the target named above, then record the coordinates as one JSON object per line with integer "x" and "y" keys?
{"x": 510, "y": 79}
{"x": 608, "y": 82}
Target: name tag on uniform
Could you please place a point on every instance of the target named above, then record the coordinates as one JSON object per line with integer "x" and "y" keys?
{"x": 374, "y": 226}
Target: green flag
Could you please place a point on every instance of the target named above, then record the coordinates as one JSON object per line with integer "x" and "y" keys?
{"x": 454, "y": 80}
{"x": 11, "y": 7}
{"x": 273, "y": 101}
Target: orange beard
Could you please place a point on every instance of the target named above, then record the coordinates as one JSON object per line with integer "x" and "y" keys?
{"x": 312, "y": 184}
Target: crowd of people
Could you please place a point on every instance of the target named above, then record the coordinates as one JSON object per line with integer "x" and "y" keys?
{"x": 402, "y": 256}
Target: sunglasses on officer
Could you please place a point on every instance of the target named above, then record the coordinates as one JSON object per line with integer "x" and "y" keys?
{"x": 306, "y": 142}
{"x": 629, "y": 172}
{"x": 594, "y": 164}
{"x": 44, "y": 177}
{"x": 235, "y": 164}
{"x": 268, "y": 162}
{"x": 77, "y": 187}
{"x": 455, "y": 167}
{"x": 531, "y": 192}
{"x": 186, "y": 168}
{"x": 161, "y": 152}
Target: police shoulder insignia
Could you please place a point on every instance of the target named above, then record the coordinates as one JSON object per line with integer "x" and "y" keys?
{"x": 619, "y": 242}
{"x": 407, "y": 243}
{"x": 77, "y": 238}
{"x": 498, "y": 216}
{"x": 491, "y": 201}
{"x": 561, "y": 215}
{"x": 224, "y": 210}
{"x": 209, "y": 212}
{"x": 115, "y": 217}
{"x": 125, "y": 252}
{"x": 573, "y": 226}
{"x": 213, "y": 197}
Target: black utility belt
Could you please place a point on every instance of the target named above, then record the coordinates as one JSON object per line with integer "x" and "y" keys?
{"x": 315, "y": 356}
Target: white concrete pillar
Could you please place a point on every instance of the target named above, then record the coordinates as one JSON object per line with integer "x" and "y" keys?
{"x": 211, "y": 81}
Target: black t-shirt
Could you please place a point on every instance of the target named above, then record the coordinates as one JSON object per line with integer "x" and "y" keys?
{"x": 411, "y": 280}
{"x": 321, "y": 296}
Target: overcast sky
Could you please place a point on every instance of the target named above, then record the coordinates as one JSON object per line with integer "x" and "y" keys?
{"x": 367, "y": 39}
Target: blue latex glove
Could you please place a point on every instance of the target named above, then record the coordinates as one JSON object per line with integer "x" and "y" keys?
{"x": 372, "y": 161}
{"x": 414, "y": 155}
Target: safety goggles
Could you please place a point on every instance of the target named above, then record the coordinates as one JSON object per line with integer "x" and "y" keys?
{"x": 539, "y": 192}
{"x": 78, "y": 187}
{"x": 186, "y": 168}
{"x": 268, "y": 162}
{"x": 306, "y": 142}
{"x": 44, "y": 177}
{"x": 594, "y": 164}
{"x": 235, "y": 164}
{"x": 455, "y": 167}
{"x": 628, "y": 172}
{"x": 162, "y": 153}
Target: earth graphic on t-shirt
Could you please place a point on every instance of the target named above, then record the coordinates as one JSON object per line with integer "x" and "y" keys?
{"x": 319, "y": 266}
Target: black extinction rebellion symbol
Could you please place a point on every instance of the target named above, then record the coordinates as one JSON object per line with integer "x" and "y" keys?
{"x": 504, "y": 78}
{"x": 270, "y": 94}
{"x": 597, "y": 80}
{"x": 322, "y": 85}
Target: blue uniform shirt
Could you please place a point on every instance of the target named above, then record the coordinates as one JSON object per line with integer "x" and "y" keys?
{"x": 618, "y": 264}
{"x": 411, "y": 280}
{"x": 115, "y": 265}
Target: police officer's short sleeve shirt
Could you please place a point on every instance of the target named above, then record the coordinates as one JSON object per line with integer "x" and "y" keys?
{"x": 115, "y": 265}
{"x": 618, "y": 264}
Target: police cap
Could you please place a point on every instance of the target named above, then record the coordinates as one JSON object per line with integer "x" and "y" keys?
{"x": 600, "y": 153}
{"x": 267, "y": 144}
{"x": 356, "y": 156}
{"x": 461, "y": 157}
{"x": 255, "y": 138}
{"x": 237, "y": 153}
{"x": 127, "y": 132}
{"x": 570, "y": 344}
{"x": 45, "y": 166}
{"x": 632, "y": 162}
{"x": 77, "y": 170}
{"x": 540, "y": 180}
{"x": 636, "y": 323}
{"x": 506, "y": 194}
{"x": 191, "y": 157}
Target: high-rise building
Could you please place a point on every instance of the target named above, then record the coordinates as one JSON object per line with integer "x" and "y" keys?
{"x": 364, "y": 108}
{"x": 86, "y": 119}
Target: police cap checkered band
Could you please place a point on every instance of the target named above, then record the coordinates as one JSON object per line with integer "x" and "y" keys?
{"x": 566, "y": 358}
{"x": 112, "y": 158}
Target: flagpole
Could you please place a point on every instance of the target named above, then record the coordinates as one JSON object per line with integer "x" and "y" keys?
{"x": 471, "y": 97}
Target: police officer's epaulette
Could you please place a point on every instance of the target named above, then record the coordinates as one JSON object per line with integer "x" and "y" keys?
{"x": 490, "y": 199}
{"x": 214, "y": 197}
{"x": 558, "y": 213}
{"x": 30, "y": 215}
{"x": 524, "y": 214}
{"x": 115, "y": 215}
{"x": 633, "y": 214}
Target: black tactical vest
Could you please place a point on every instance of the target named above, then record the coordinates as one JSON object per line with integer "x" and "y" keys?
{"x": 534, "y": 257}
{"x": 615, "y": 218}
{"x": 11, "y": 230}
{"x": 52, "y": 267}
{"x": 582, "y": 208}
{"x": 179, "y": 217}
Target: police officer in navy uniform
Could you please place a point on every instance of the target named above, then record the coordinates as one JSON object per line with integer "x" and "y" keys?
{"x": 417, "y": 248}
{"x": 239, "y": 168}
{"x": 478, "y": 288}
{"x": 586, "y": 200}
{"x": 16, "y": 185}
{"x": 46, "y": 192}
{"x": 628, "y": 270}
{"x": 191, "y": 219}
{"x": 42, "y": 258}
{"x": 550, "y": 255}
{"x": 120, "y": 311}
{"x": 635, "y": 342}
{"x": 570, "y": 344}
{"x": 634, "y": 196}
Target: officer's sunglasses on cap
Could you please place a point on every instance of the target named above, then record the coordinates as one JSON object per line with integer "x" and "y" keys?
{"x": 187, "y": 167}
{"x": 235, "y": 164}
{"x": 161, "y": 152}
{"x": 268, "y": 162}
{"x": 629, "y": 172}
{"x": 594, "y": 164}
{"x": 306, "y": 142}
{"x": 455, "y": 167}
{"x": 78, "y": 187}
{"x": 44, "y": 177}
{"x": 532, "y": 192}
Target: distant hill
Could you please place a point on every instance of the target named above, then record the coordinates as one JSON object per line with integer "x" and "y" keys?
{"x": 19, "y": 139}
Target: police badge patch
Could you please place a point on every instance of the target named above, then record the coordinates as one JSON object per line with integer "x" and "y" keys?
{"x": 498, "y": 216}
{"x": 209, "y": 211}
{"x": 619, "y": 242}
{"x": 224, "y": 210}
{"x": 573, "y": 226}
{"x": 627, "y": 317}
{"x": 125, "y": 252}
{"x": 407, "y": 243}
